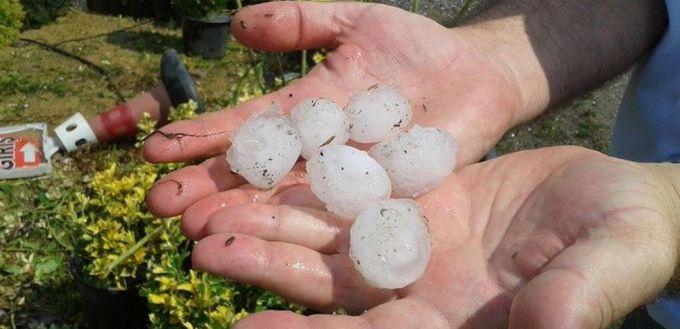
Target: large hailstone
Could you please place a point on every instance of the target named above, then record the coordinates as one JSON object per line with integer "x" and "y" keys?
{"x": 347, "y": 179}
{"x": 264, "y": 149}
{"x": 320, "y": 122}
{"x": 389, "y": 243}
{"x": 377, "y": 113}
{"x": 417, "y": 161}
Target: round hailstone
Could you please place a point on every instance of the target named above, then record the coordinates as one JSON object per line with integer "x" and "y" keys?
{"x": 389, "y": 243}
{"x": 347, "y": 179}
{"x": 377, "y": 113}
{"x": 320, "y": 122}
{"x": 417, "y": 161}
{"x": 264, "y": 148}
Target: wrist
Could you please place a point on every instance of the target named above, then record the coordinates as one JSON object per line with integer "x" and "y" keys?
{"x": 668, "y": 176}
{"x": 503, "y": 43}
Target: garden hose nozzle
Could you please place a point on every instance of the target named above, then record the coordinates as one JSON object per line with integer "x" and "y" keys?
{"x": 25, "y": 150}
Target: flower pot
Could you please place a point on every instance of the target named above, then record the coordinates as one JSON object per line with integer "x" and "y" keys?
{"x": 206, "y": 37}
{"x": 103, "y": 308}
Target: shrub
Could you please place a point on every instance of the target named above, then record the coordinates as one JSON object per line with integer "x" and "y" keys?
{"x": 200, "y": 8}
{"x": 41, "y": 12}
{"x": 11, "y": 16}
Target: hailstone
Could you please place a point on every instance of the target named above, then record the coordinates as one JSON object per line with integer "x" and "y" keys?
{"x": 347, "y": 179}
{"x": 377, "y": 113}
{"x": 417, "y": 161}
{"x": 264, "y": 149}
{"x": 390, "y": 244}
{"x": 320, "y": 122}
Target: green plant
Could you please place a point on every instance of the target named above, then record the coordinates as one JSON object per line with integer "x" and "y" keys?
{"x": 200, "y": 8}
{"x": 41, "y": 12}
{"x": 11, "y": 16}
{"x": 115, "y": 231}
{"x": 15, "y": 83}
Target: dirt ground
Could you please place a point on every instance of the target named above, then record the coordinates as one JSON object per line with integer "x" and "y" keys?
{"x": 586, "y": 121}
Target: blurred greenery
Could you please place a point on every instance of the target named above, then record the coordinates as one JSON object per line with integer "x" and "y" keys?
{"x": 41, "y": 12}
{"x": 11, "y": 17}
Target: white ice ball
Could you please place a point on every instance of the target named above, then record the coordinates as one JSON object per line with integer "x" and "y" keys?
{"x": 347, "y": 179}
{"x": 390, "y": 244}
{"x": 377, "y": 113}
{"x": 417, "y": 161}
{"x": 264, "y": 149}
{"x": 320, "y": 122}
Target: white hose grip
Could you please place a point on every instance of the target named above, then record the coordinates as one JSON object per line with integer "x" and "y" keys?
{"x": 75, "y": 132}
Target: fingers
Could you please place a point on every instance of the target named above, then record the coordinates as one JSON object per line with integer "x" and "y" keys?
{"x": 197, "y": 214}
{"x": 207, "y": 135}
{"x": 298, "y": 195}
{"x": 289, "y": 25}
{"x": 179, "y": 189}
{"x": 314, "y": 229}
{"x": 408, "y": 313}
{"x": 598, "y": 280}
{"x": 294, "y": 272}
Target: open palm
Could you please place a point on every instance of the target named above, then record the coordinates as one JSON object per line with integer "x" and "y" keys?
{"x": 553, "y": 238}
{"x": 448, "y": 81}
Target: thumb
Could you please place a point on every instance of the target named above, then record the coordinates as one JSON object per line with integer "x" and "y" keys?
{"x": 293, "y": 25}
{"x": 598, "y": 280}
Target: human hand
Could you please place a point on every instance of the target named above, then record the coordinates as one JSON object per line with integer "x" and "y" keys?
{"x": 559, "y": 237}
{"x": 451, "y": 84}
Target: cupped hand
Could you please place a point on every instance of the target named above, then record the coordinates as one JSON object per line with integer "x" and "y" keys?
{"x": 553, "y": 238}
{"x": 449, "y": 81}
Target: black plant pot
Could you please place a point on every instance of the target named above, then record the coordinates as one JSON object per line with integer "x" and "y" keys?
{"x": 106, "y": 309}
{"x": 206, "y": 37}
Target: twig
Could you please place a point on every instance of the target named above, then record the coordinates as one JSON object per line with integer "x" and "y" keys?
{"x": 134, "y": 248}
{"x": 303, "y": 63}
{"x": 179, "y": 136}
{"x": 280, "y": 64}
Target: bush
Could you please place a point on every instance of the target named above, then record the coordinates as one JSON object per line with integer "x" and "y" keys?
{"x": 41, "y": 12}
{"x": 11, "y": 15}
{"x": 200, "y": 8}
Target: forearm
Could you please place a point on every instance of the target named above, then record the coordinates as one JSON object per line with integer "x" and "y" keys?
{"x": 669, "y": 178}
{"x": 556, "y": 49}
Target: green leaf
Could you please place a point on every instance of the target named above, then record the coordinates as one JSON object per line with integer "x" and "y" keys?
{"x": 14, "y": 269}
{"x": 45, "y": 267}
